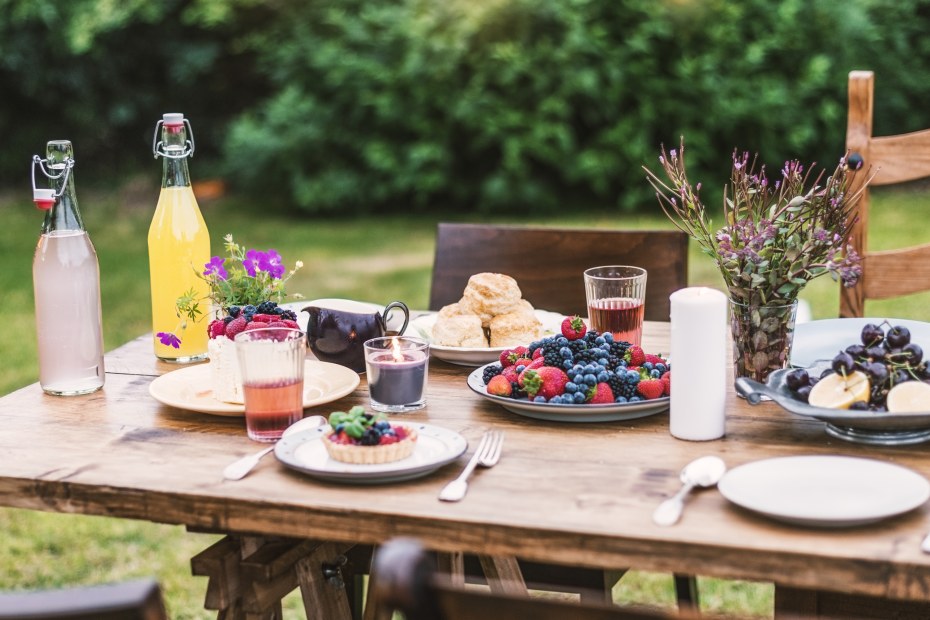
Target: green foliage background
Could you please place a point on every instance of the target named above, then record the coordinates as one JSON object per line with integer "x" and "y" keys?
{"x": 477, "y": 106}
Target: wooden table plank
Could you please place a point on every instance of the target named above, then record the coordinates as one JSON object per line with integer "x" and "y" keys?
{"x": 579, "y": 494}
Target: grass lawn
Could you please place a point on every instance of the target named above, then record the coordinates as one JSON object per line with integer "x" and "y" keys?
{"x": 377, "y": 259}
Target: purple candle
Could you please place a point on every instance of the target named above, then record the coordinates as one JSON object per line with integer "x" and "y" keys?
{"x": 397, "y": 370}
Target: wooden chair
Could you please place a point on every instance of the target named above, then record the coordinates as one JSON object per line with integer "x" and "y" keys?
{"x": 405, "y": 579}
{"x": 894, "y": 159}
{"x": 132, "y": 600}
{"x": 548, "y": 262}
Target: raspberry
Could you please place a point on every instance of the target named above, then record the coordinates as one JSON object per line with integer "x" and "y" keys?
{"x": 667, "y": 383}
{"x": 216, "y": 329}
{"x": 265, "y": 318}
{"x": 236, "y": 326}
{"x": 290, "y": 323}
{"x": 276, "y": 324}
{"x": 255, "y": 325}
{"x": 654, "y": 359}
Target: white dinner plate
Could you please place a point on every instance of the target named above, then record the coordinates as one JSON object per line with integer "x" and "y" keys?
{"x": 568, "y": 413}
{"x": 189, "y": 388}
{"x": 475, "y": 356}
{"x": 305, "y": 452}
{"x": 825, "y": 491}
{"x": 822, "y": 340}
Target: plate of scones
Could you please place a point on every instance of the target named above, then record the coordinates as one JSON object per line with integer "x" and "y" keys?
{"x": 491, "y": 316}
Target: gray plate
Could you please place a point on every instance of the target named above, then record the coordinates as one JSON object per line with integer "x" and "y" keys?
{"x": 821, "y": 340}
{"x": 569, "y": 413}
{"x": 887, "y": 429}
{"x": 305, "y": 452}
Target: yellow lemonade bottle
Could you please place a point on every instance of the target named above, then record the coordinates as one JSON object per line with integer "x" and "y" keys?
{"x": 179, "y": 247}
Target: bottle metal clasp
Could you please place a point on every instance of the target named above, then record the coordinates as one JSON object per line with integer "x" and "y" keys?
{"x": 45, "y": 198}
{"x": 157, "y": 145}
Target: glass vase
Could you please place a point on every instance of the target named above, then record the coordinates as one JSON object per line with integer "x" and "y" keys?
{"x": 762, "y": 337}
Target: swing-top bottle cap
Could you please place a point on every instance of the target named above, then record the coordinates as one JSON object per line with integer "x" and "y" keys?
{"x": 173, "y": 119}
{"x": 44, "y": 198}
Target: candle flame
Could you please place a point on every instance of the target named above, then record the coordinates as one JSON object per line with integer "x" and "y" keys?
{"x": 396, "y": 352}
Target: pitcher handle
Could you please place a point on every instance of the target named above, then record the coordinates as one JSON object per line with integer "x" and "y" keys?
{"x": 404, "y": 308}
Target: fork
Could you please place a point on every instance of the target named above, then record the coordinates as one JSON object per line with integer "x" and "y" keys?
{"x": 487, "y": 454}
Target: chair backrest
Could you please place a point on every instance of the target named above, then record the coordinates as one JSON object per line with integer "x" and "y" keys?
{"x": 548, "y": 263}
{"x": 405, "y": 579}
{"x": 131, "y": 600}
{"x": 893, "y": 159}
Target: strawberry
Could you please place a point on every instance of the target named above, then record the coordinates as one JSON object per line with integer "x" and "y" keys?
{"x": 573, "y": 327}
{"x": 650, "y": 388}
{"x": 265, "y": 318}
{"x": 500, "y": 386}
{"x": 290, "y": 323}
{"x": 537, "y": 353}
{"x": 635, "y": 356}
{"x": 216, "y": 329}
{"x": 533, "y": 365}
{"x": 510, "y": 373}
{"x": 236, "y": 326}
{"x": 545, "y": 381}
{"x": 600, "y": 394}
{"x": 667, "y": 382}
{"x": 509, "y": 356}
{"x": 522, "y": 361}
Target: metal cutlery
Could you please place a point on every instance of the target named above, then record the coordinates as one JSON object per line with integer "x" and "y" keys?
{"x": 240, "y": 468}
{"x": 487, "y": 454}
{"x": 703, "y": 472}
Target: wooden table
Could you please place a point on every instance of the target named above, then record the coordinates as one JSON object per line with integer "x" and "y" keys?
{"x": 575, "y": 494}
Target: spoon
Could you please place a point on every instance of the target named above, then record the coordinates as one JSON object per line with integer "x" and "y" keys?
{"x": 238, "y": 469}
{"x": 703, "y": 472}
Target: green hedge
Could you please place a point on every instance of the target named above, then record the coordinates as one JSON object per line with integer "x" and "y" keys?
{"x": 339, "y": 106}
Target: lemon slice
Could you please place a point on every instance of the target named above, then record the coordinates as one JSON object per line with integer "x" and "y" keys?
{"x": 838, "y": 392}
{"x": 909, "y": 397}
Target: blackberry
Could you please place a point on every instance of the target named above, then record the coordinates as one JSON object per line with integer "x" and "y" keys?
{"x": 371, "y": 437}
{"x": 289, "y": 315}
{"x": 553, "y": 359}
{"x": 249, "y": 309}
{"x": 490, "y": 372}
{"x": 234, "y": 311}
{"x": 617, "y": 384}
{"x": 266, "y": 307}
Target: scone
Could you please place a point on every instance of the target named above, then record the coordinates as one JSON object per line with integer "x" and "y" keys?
{"x": 490, "y": 294}
{"x": 458, "y": 330}
{"x": 516, "y": 327}
{"x": 377, "y": 441}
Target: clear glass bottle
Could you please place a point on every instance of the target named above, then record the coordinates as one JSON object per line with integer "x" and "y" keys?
{"x": 66, "y": 283}
{"x": 179, "y": 248}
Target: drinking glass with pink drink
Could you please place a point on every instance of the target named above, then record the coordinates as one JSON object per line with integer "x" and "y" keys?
{"x": 616, "y": 301}
{"x": 272, "y": 364}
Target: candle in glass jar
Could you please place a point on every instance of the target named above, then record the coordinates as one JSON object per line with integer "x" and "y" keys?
{"x": 397, "y": 370}
{"x": 699, "y": 362}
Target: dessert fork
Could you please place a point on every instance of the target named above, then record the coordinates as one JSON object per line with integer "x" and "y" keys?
{"x": 487, "y": 454}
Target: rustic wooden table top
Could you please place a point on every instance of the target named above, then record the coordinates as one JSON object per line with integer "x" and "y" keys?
{"x": 579, "y": 494}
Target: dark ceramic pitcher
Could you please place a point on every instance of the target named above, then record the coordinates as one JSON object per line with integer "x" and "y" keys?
{"x": 337, "y": 335}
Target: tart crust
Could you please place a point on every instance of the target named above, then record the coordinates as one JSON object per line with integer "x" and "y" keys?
{"x": 371, "y": 455}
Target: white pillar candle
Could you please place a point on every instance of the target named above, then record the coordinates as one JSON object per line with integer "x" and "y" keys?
{"x": 699, "y": 364}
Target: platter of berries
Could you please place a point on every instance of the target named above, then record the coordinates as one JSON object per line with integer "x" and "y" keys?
{"x": 578, "y": 375}
{"x": 358, "y": 447}
{"x": 874, "y": 389}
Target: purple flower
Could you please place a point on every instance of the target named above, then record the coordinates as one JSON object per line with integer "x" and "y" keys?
{"x": 270, "y": 262}
{"x": 169, "y": 340}
{"x": 215, "y": 268}
{"x": 252, "y": 262}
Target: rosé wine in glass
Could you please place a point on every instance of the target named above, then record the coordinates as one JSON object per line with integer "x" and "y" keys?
{"x": 622, "y": 317}
{"x": 272, "y": 407}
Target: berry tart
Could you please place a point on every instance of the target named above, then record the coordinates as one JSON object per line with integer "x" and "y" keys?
{"x": 365, "y": 439}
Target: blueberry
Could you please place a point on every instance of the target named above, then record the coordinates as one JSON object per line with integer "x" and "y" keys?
{"x": 382, "y": 425}
{"x": 599, "y": 340}
{"x": 339, "y": 427}
{"x": 608, "y": 337}
{"x": 661, "y": 367}
{"x": 539, "y": 399}
{"x": 234, "y": 311}
{"x": 227, "y": 320}
{"x": 250, "y": 309}
{"x": 603, "y": 377}
{"x": 562, "y": 341}
{"x": 389, "y": 432}
{"x": 578, "y": 379}
{"x": 635, "y": 399}
{"x": 648, "y": 365}
{"x": 590, "y": 369}
{"x": 578, "y": 397}
{"x": 590, "y": 379}
{"x": 654, "y": 373}
{"x": 520, "y": 368}
{"x": 571, "y": 387}
{"x": 565, "y": 352}
{"x": 567, "y": 364}
{"x": 602, "y": 362}
{"x": 620, "y": 399}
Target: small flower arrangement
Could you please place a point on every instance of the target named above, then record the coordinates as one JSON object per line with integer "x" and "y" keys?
{"x": 246, "y": 277}
{"x": 777, "y": 234}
